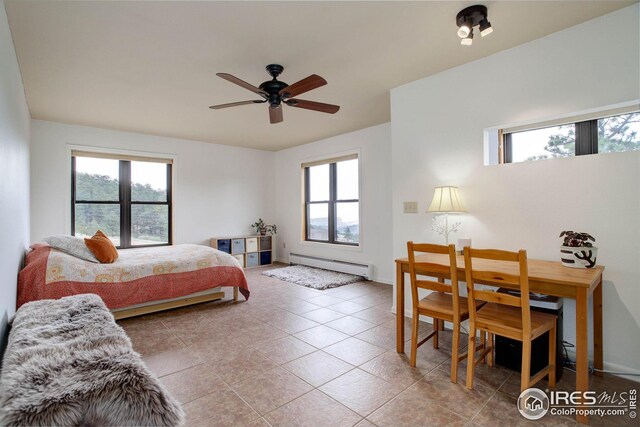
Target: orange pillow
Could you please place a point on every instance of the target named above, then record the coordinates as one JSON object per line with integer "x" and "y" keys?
{"x": 102, "y": 248}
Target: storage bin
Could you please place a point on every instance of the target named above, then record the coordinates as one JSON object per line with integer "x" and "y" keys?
{"x": 265, "y": 258}
{"x": 224, "y": 245}
{"x": 265, "y": 243}
{"x": 252, "y": 259}
{"x": 237, "y": 246}
{"x": 252, "y": 244}
{"x": 240, "y": 259}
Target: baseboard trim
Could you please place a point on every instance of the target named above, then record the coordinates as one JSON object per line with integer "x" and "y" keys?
{"x": 619, "y": 370}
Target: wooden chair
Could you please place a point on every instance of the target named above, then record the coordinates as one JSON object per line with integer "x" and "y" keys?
{"x": 442, "y": 304}
{"x": 505, "y": 315}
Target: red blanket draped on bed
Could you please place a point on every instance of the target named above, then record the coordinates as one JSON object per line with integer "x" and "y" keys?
{"x": 150, "y": 274}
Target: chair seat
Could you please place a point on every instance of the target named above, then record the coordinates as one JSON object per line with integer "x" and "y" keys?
{"x": 442, "y": 303}
{"x": 507, "y": 321}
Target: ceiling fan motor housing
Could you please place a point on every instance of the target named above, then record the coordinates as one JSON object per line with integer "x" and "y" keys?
{"x": 273, "y": 87}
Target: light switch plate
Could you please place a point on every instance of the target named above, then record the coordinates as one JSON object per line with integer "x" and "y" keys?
{"x": 410, "y": 207}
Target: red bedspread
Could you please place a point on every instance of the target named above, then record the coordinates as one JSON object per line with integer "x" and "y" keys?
{"x": 51, "y": 274}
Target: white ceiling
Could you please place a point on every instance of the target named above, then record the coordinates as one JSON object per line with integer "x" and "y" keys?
{"x": 149, "y": 67}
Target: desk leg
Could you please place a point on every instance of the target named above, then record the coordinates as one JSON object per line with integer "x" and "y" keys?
{"x": 399, "y": 309}
{"x": 598, "y": 360}
{"x": 582, "y": 348}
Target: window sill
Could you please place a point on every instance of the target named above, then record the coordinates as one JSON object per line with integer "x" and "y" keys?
{"x": 333, "y": 246}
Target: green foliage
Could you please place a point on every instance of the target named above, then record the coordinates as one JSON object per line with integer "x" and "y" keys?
{"x": 261, "y": 227}
{"x": 615, "y": 134}
{"x": 348, "y": 235}
{"x": 576, "y": 238}
{"x": 149, "y": 222}
{"x": 559, "y": 145}
{"x": 96, "y": 187}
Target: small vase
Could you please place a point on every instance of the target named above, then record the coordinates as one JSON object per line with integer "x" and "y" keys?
{"x": 263, "y": 231}
{"x": 578, "y": 256}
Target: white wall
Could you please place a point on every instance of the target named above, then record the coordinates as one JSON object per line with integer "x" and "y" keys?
{"x": 374, "y": 146}
{"x": 14, "y": 174}
{"x": 218, "y": 190}
{"x": 437, "y": 133}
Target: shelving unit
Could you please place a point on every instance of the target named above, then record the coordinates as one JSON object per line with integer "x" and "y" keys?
{"x": 250, "y": 251}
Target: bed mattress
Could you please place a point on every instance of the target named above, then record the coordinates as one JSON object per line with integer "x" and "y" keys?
{"x": 138, "y": 276}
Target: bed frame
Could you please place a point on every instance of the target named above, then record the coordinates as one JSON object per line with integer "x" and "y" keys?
{"x": 155, "y": 306}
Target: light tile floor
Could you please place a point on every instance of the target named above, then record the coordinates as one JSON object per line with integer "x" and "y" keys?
{"x": 294, "y": 356}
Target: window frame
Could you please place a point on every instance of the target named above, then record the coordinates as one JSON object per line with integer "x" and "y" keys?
{"x": 124, "y": 199}
{"x": 586, "y": 135}
{"x": 332, "y": 202}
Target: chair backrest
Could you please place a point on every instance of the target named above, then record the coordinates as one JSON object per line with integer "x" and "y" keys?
{"x": 438, "y": 270}
{"x": 498, "y": 268}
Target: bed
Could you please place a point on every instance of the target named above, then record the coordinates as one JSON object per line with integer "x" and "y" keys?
{"x": 142, "y": 280}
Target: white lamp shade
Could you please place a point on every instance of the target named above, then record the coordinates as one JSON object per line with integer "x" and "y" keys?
{"x": 446, "y": 199}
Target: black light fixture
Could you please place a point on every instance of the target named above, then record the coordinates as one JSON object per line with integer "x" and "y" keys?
{"x": 470, "y": 17}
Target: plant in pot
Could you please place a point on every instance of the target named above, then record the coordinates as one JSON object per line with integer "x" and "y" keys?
{"x": 577, "y": 251}
{"x": 261, "y": 227}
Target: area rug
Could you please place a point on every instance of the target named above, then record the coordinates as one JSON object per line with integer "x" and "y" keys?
{"x": 310, "y": 277}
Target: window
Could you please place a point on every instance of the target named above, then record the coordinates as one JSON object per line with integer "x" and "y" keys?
{"x": 608, "y": 134}
{"x": 332, "y": 206}
{"x": 128, "y": 198}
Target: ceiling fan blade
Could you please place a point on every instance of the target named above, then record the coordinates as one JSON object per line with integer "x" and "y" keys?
{"x": 305, "y": 85}
{"x": 235, "y": 104}
{"x": 312, "y": 105}
{"x": 275, "y": 114}
{"x": 239, "y": 82}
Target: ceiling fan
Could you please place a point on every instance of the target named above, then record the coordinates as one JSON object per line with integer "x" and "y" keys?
{"x": 276, "y": 93}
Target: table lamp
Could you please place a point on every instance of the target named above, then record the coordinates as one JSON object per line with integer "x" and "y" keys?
{"x": 446, "y": 200}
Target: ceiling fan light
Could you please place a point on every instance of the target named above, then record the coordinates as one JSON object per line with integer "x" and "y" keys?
{"x": 485, "y": 27}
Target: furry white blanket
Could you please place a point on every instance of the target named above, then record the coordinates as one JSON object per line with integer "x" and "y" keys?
{"x": 68, "y": 363}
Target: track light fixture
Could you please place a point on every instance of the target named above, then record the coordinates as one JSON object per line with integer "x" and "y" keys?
{"x": 485, "y": 27}
{"x": 470, "y": 17}
{"x": 464, "y": 30}
{"x": 467, "y": 41}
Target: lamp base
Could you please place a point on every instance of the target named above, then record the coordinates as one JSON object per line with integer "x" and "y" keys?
{"x": 444, "y": 229}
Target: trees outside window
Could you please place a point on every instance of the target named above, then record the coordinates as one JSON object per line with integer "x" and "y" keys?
{"x": 129, "y": 200}
{"x": 332, "y": 205}
{"x": 604, "y": 135}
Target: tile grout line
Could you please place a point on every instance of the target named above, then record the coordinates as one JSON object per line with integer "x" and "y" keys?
{"x": 166, "y": 324}
{"x": 495, "y": 391}
{"x": 404, "y": 389}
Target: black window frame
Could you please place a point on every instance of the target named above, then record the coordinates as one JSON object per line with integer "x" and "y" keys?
{"x": 586, "y": 137}
{"x": 332, "y": 204}
{"x": 125, "y": 202}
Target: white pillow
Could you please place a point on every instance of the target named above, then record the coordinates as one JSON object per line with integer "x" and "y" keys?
{"x": 71, "y": 245}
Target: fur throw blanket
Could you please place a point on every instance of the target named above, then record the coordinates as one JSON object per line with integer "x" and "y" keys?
{"x": 69, "y": 364}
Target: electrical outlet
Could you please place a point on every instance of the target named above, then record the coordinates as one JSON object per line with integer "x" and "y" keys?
{"x": 410, "y": 207}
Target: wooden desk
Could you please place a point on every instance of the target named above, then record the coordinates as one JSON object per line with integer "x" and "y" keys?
{"x": 545, "y": 277}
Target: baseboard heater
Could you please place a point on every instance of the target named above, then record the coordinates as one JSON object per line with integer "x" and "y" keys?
{"x": 364, "y": 270}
